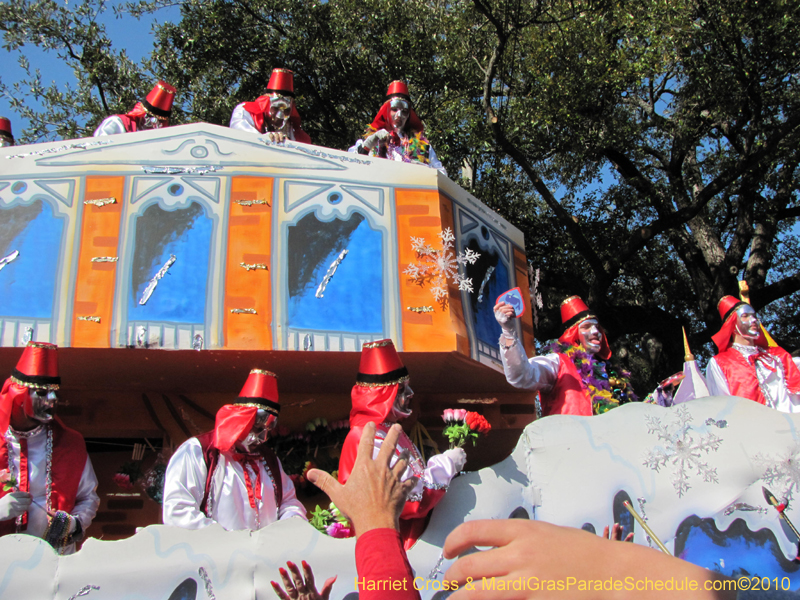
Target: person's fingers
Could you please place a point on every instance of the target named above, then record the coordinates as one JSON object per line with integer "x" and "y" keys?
{"x": 325, "y": 592}
{"x": 299, "y": 584}
{"x": 325, "y": 482}
{"x": 489, "y": 563}
{"x": 308, "y": 574}
{"x": 489, "y": 532}
{"x": 365, "y": 444}
{"x": 279, "y": 591}
{"x": 606, "y": 532}
{"x": 399, "y": 468}
{"x": 389, "y": 444}
{"x": 500, "y": 305}
{"x": 408, "y": 485}
{"x": 629, "y": 537}
{"x": 287, "y": 583}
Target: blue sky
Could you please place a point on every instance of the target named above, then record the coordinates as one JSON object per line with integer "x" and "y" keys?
{"x": 133, "y": 35}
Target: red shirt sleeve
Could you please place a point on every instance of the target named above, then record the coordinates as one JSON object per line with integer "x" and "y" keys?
{"x": 384, "y": 572}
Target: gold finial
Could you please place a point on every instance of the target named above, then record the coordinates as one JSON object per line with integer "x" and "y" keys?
{"x": 688, "y": 356}
{"x": 744, "y": 291}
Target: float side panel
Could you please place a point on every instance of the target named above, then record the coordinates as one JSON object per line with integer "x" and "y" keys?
{"x": 249, "y": 242}
{"x": 95, "y": 283}
{"x": 419, "y": 214}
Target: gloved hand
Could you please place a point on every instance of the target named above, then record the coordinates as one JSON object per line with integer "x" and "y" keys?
{"x": 14, "y": 504}
{"x": 376, "y": 138}
{"x": 504, "y": 313}
{"x": 458, "y": 456}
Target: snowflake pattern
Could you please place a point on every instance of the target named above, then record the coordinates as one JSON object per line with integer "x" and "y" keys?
{"x": 781, "y": 473}
{"x": 439, "y": 266}
{"x": 683, "y": 448}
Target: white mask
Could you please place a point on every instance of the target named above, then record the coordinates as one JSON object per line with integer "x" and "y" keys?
{"x": 590, "y": 335}
{"x": 747, "y": 324}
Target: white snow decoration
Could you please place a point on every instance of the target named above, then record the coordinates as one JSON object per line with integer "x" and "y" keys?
{"x": 439, "y": 266}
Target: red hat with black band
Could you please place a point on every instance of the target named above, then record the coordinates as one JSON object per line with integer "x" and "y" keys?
{"x": 281, "y": 81}
{"x": 574, "y": 312}
{"x": 5, "y": 129}
{"x": 37, "y": 368}
{"x": 159, "y": 100}
{"x": 234, "y": 421}
{"x": 380, "y": 365}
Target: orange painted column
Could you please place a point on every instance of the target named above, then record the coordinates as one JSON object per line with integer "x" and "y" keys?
{"x": 249, "y": 242}
{"x": 94, "y": 288}
{"x": 425, "y": 214}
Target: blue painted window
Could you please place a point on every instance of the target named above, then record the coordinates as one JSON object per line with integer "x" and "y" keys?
{"x": 27, "y": 285}
{"x": 353, "y": 298}
{"x": 180, "y": 296}
{"x": 485, "y": 293}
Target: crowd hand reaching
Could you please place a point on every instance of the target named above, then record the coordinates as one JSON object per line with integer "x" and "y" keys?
{"x": 616, "y": 533}
{"x": 298, "y": 588}
{"x": 504, "y": 313}
{"x": 276, "y": 137}
{"x": 535, "y": 551}
{"x": 374, "y": 494}
{"x": 458, "y": 456}
{"x": 376, "y": 138}
{"x": 14, "y": 504}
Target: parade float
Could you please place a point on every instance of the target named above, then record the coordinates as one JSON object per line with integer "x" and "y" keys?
{"x": 167, "y": 264}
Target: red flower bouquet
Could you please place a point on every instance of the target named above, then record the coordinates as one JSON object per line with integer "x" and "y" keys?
{"x": 461, "y": 425}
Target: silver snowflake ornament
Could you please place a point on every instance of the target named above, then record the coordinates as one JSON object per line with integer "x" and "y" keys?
{"x": 682, "y": 448}
{"x": 782, "y": 472}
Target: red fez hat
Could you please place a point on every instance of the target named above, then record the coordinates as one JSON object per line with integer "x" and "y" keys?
{"x": 398, "y": 88}
{"x": 281, "y": 82}
{"x": 727, "y": 305}
{"x": 573, "y": 311}
{"x": 261, "y": 390}
{"x": 380, "y": 365}
{"x": 38, "y": 367}
{"x": 5, "y": 129}
{"x": 159, "y": 100}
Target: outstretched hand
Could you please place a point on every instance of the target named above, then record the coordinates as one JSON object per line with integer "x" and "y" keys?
{"x": 504, "y": 313}
{"x": 534, "y": 552}
{"x": 298, "y": 588}
{"x": 616, "y": 533}
{"x": 374, "y": 494}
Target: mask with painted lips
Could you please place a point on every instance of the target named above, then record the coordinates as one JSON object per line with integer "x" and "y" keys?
{"x": 259, "y": 432}
{"x": 398, "y": 112}
{"x": 41, "y": 405}
{"x": 280, "y": 107}
{"x": 402, "y": 402}
{"x": 591, "y": 336}
{"x": 747, "y": 324}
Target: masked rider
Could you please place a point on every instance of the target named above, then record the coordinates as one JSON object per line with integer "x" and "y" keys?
{"x": 274, "y": 113}
{"x": 566, "y": 379}
{"x": 382, "y": 394}
{"x": 747, "y": 366}
{"x": 397, "y": 133}
{"x": 52, "y": 481}
{"x": 229, "y": 475}
{"x": 151, "y": 113}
